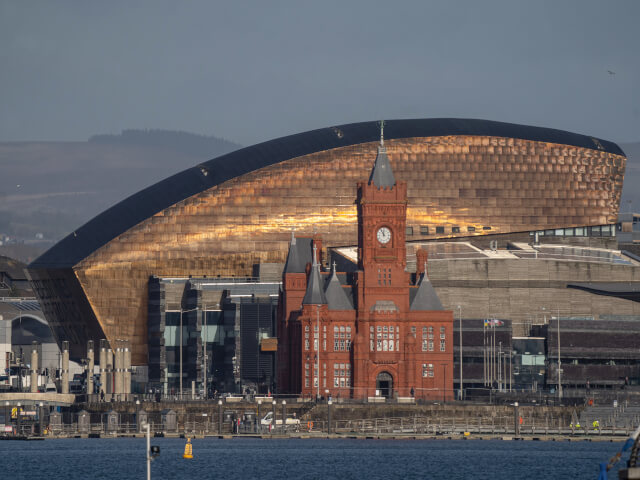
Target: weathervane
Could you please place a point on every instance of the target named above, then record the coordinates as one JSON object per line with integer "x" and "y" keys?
{"x": 382, "y": 133}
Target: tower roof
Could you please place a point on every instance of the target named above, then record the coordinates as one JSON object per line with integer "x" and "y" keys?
{"x": 426, "y": 297}
{"x": 315, "y": 293}
{"x": 337, "y": 298}
{"x": 381, "y": 174}
{"x": 296, "y": 259}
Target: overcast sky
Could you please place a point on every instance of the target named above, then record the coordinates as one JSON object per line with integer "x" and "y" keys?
{"x": 251, "y": 71}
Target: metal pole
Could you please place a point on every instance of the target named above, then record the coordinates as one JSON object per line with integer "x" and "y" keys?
{"x": 559, "y": 361}
{"x": 219, "y": 417}
{"x": 318, "y": 350}
{"x": 148, "y": 452}
{"x": 181, "y": 354}
{"x": 329, "y": 417}
{"x": 499, "y": 366}
{"x": 460, "y": 319}
{"x": 204, "y": 356}
{"x": 259, "y": 420}
{"x": 284, "y": 415}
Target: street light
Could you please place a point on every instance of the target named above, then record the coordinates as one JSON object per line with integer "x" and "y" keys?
{"x": 559, "y": 361}
{"x": 460, "y": 320}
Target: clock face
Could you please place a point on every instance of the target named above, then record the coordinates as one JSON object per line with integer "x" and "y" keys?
{"x": 383, "y": 235}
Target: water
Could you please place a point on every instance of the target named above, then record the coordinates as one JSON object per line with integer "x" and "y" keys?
{"x": 123, "y": 458}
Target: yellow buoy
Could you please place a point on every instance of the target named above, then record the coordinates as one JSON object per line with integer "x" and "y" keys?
{"x": 188, "y": 450}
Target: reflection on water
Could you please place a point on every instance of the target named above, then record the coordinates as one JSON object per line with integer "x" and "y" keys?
{"x": 123, "y": 459}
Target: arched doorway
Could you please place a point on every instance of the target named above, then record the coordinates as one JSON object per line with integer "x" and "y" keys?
{"x": 384, "y": 383}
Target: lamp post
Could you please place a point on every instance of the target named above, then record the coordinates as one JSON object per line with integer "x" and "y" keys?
{"x": 18, "y": 418}
{"x": 204, "y": 355}
{"x": 318, "y": 350}
{"x": 460, "y": 335}
{"x": 559, "y": 362}
{"x": 7, "y": 419}
{"x": 329, "y": 417}
{"x": 273, "y": 417}
{"x": 259, "y": 420}
{"x": 219, "y": 417}
{"x": 284, "y": 415}
{"x": 444, "y": 383}
{"x": 41, "y": 418}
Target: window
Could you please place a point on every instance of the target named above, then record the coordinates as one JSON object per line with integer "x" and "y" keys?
{"x": 424, "y": 230}
{"x": 442, "y": 345}
{"x": 341, "y": 375}
{"x": 439, "y": 229}
{"x": 442, "y": 333}
{"x": 425, "y": 342}
{"x": 427, "y": 370}
{"x": 471, "y": 229}
{"x": 386, "y": 339}
{"x": 342, "y": 338}
{"x": 486, "y": 228}
{"x": 409, "y": 231}
{"x": 455, "y": 229}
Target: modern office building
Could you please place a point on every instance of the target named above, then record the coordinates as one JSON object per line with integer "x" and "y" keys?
{"x": 218, "y": 334}
{"x": 471, "y": 179}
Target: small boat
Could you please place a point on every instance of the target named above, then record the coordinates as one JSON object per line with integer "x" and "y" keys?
{"x": 188, "y": 450}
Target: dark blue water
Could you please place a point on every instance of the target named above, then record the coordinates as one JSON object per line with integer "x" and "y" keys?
{"x": 123, "y": 458}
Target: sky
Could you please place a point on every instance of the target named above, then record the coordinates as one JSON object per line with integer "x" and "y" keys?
{"x": 251, "y": 71}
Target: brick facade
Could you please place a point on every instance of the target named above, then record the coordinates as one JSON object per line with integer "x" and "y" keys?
{"x": 376, "y": 335}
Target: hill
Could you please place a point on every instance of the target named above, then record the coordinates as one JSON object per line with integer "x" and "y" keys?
{"x": 48, "y": 189}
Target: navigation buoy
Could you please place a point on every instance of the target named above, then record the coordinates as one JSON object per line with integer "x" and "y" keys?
{"x": 188, "y": 450}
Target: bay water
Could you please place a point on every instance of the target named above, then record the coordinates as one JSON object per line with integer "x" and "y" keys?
{"x": 252, "y": 458}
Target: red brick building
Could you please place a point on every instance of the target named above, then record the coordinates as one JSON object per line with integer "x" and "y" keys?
{"x": 376, "y": 335}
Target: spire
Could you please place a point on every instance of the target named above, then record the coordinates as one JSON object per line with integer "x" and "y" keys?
{"x": 314, "y": 294}
{"x": 336, "y": 296}
{"x": 382, "y": 175}
{"x": 426, "y": 297}
{"x": 295, "y": 263}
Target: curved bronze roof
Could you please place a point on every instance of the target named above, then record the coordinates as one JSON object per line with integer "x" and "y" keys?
{"x": 142, "y": 205}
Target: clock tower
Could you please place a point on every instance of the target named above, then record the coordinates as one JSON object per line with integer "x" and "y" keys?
{"x": 382, "y": 210}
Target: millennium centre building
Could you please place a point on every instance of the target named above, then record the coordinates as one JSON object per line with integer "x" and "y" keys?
{"x": 467, "y": 180}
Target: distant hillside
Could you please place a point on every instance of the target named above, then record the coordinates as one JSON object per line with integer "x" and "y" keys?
{"x": 48, "y": 189}
{"x": 187, "y": 143}
{"x": 631, "y": 189}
